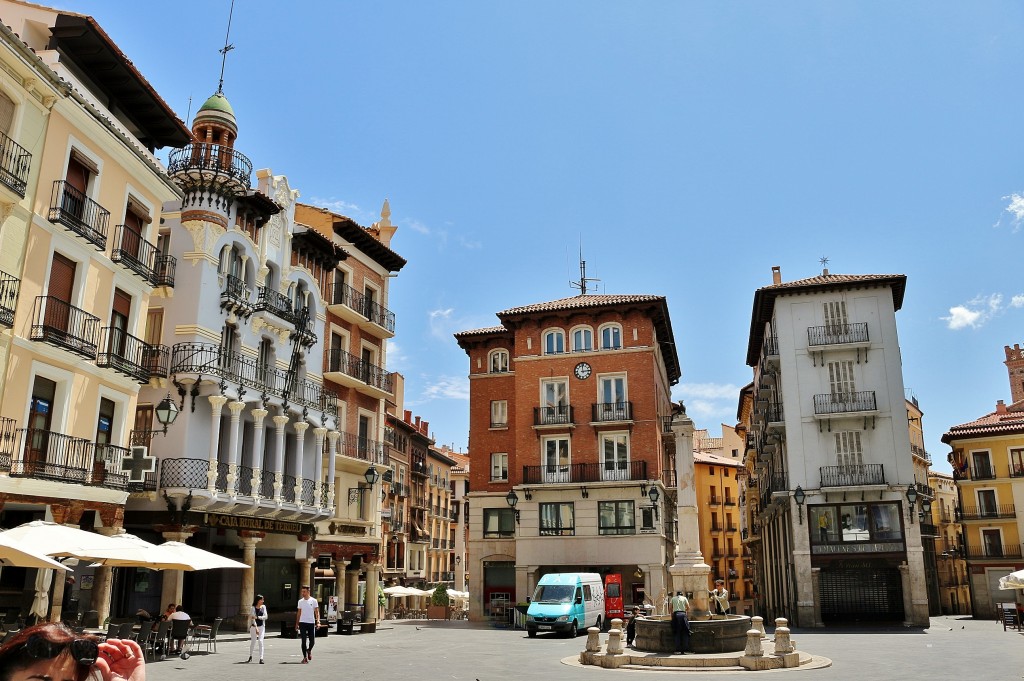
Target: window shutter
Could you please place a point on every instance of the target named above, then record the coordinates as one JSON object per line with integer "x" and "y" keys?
{"x": 62, "y": 278}
{"x": 6, "y": 113}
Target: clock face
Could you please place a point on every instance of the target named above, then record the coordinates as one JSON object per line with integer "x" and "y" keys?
{"x": 582, "y": 371}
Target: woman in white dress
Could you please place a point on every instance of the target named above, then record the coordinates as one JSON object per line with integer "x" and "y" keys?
{"x": 257, "y": 626}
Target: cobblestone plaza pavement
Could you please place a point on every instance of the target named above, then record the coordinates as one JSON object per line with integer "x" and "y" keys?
{"x": 953, "y": 648}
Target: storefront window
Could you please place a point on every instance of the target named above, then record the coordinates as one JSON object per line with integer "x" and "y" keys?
{"x": 855, "y": 523}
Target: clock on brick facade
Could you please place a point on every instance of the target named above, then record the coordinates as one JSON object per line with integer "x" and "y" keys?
{"x": 582, "y": 371}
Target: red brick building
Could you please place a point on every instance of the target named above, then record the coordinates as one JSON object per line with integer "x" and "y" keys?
{"x": 567, "y": 400}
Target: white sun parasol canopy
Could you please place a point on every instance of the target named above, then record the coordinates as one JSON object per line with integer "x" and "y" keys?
{"x": 52, "y": 539}
{"x": 15, "y": 553}
{"x": 1014, "y": 580}
{"x": 198, "y": 559}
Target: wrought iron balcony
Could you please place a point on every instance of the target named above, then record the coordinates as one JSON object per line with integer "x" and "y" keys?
{"x": 355, "y": 447}
{"x": 983, "y": 473}
{"x": 48, "y": 455}
{"x": 276, "y": 303}
{"x": 266, "y": 488}
{"x": 236, "y": 295}
{"x": 552, "y": 416}
{"x": 770, "y": 347}
{"x": 844, "y": 403}
{"x": 920, "y": 453}
{"x": 307, "y": 492}
{"x": 774, "y": 413}
{"x": 288, "y": 488}
{"x": 184, "y": 473}
{"x": 78, "y": 213}
{"x": 8, "y": 442}
{"x": 157, "y": 360}
{"x": 346, "y": 363}
{"x": 379, "y": 315}
{"x": 856, "y": 475}
{"x": 837, "y": 334}
{"x": 612, "y": 411}
{"x": 243, "y": 481}
{"x": 343, "y": 294}
{"x": 165, "y": 267}
{"x": 987, "y": 512}
{"x": 993, "y": 551}
{"x": 583, "y": 472}
{"x": 9, "y": 286}
{"x": 140, "y": 256}
{"x": 59, "y": 323}
{"x": 203, "y": 158}
{"x": 15, "y": 163}
{"x": 124, "y": 353}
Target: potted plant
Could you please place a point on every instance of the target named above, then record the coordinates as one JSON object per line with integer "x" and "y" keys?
{"x": 440, "y": 603}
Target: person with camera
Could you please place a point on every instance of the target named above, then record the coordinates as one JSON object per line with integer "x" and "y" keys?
{"x": 53, "y": 651}
{"x": 257, "y": 626}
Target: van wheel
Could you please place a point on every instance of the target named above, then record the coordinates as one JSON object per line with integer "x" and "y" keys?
{"x": 575, "y": 630}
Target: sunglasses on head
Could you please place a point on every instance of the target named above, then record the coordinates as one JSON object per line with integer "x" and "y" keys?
{"x": 83, "y": 650}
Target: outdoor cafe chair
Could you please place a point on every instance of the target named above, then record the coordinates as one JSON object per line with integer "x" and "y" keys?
{"x": 125, "y": 630}
{"x": 180, "y": 632}
{"x": 206, "y": 634}
{"x": 145, "y": 629}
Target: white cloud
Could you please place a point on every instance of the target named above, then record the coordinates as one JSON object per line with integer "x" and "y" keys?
{"x": 708, "y": 404}
{"x": 417, "y": 226}
{"x": 346, "y": 208}
{"x": 397, "y": 360}
{"x": 977, "y": 312}
{"x": 712, "y": 391}
{"x": 1014, "y": 212}
{"x": 444, "y": 387}
{"x": 441, "y": 323}
{"x": 1017, "y": 300}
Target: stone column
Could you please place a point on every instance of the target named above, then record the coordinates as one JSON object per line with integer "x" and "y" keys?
{"x": 306, "y": 572}
{"x": 170, "y": 591}
{"x": 257, "y": 449}
{"x": 318, "y": 465}
{"x": 103, "y": 581}
{"x": 352, "y": 588}
{"x": 339, "y": 583}
{"x": 233, "y": 445}
{"x": 332, "y": 450}
{"x": 689, "y": 572}
{"x": 279, "y": 423}
{"x": 300, "y": 436}
{"x": 249, "y": 542}
{"x": 216, "y": 404}
{"x": 372, "y": 613}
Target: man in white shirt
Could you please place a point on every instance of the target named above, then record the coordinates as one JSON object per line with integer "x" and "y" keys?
{"x": 307, "y": 619}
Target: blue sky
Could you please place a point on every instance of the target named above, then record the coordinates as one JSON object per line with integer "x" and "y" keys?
{"x": 689, "y": 146}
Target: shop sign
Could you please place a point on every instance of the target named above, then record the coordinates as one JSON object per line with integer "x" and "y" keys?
{"x": 232, "y": 522}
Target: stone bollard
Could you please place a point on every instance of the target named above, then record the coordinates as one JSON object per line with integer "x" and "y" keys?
{"x": 783, "y": 644}
{"x": 593, "y": 640}
{"x": 757, "y": 622}
{"x": 753, "y": 648}
{"x": 781, "y": 622}
{"x": 615, "y": 642}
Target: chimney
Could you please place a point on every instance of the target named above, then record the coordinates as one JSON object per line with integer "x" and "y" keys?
{"x": 417, "y": 423}
{"x": 1000, "y": 407}
{"x": 426, "y": 428}
{"x": 408, "y": 416}
{"x": 776, "y": 274}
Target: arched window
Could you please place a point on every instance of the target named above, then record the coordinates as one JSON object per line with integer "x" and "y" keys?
{"x": 582, "y": 339}
{"x": 554, "y": 342}
{"x": 611, "y": 337}
{"x": 497, "y": 361}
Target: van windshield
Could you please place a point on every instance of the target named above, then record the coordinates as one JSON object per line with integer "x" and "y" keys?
{"x": 553, "y": 593}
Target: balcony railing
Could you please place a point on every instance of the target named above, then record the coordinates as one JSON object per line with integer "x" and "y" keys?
{"x": 379, "y": 315}
{"x": 47, "y": 455}
{"x": 584, "y": 472}
{"x": 838, "y": 334}
{"x": 157, "y": 360}
{"x": 211, "y": 157}
{"x": 9, "y": 286}
{"x": 212, "y": 360}
{"x": 266, "y": 489}
{"x": 986, "y": 512}
{"x": 612, "y": 411}
{"x": 15, "y": 163}
{"x": 124, "y": 353}
{"x": 236, "y": 294}
{"x": 137, "y": 254}
{"x": 288, "y": 488}
{"x": 276, "y": 303}
{"x": 350, "y": 365}
{"x": 853, "y": 475}
{"x": 164, "y": 270}
{"x": 355, "y": 447}
{"x": 78, "y": 213}
{"x": 8, "y": 442}
{"x": 770, "y": 347}
{"x": 59, "y": 323}
{"x": 983, "y": 473}
{"x": 921, "y": 453}
{"x": 343, "y": 294}
{"x": 550, "y": 416}
{"x": 308, "y": 492}
{"x": 841, "y": 403}
{"x": 243, "y": 481}
{"x": 774, "y": 413}
{"x": 981, "y": 552}
{"x": 184, "y": 473}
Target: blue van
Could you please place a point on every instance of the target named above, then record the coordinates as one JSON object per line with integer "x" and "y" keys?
{"x": 566, "y": 602}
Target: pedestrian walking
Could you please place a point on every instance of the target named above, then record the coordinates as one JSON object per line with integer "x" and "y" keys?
{"x": 307, "y": 619}
{"x": 681, "y": 622}
{"x": 257, "y": 626}
{"x": 631, "y": 626}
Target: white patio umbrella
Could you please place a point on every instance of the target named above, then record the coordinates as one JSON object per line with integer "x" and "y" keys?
{"x": 14, "y": 553}
{"x": 400, "y": 591}
{"x": 198, "y": 559}
{"x": 151, "y": 556}
{"x": 41, "y": 601}
{"x": 1014, "y": 580}
{"x": 52, "y": 539}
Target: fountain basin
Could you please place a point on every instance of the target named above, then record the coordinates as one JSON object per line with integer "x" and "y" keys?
{"x": 725, "y": 634}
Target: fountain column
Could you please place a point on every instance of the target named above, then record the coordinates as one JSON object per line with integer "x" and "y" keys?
{"x": 689, "y": 571}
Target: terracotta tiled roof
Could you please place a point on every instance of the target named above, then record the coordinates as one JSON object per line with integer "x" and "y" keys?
{"x": 764, "y": 298}
{"x": 708, "y": 457}
{"x": 580, "y": 302}
{"x": 996, "y": 423}
{"x": 481, "y": 332}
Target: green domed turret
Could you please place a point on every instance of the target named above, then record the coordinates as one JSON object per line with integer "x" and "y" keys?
{"x": 217, "y": 109}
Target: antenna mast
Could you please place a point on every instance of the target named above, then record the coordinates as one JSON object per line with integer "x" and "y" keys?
{"x": 224, "y": 50}
{"x": 582, "y": 283}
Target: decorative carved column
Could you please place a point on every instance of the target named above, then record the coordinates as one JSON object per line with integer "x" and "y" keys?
{"x": 318, "y": 466}
{"x": 339, "y": 583}
{"x": 300, "y": 436}
{"x": 689, "y": 572}
{"x": 216, "y": 405}
{"x": 279, "y": 423}
{"x": 257, "y": 449}
{"x": 233, "y": 453}
{"x": 248, "y": 594}
{"x": 332, "y": 451}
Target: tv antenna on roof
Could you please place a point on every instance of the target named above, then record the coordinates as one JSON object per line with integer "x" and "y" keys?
{"x": 224, "y": 50}
{"x": 582, "y": 283}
